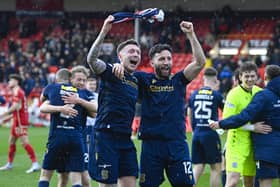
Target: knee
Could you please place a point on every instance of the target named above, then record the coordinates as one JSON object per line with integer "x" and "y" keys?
{"x": 232, "y": 183}
{"x": 45, "y": 175}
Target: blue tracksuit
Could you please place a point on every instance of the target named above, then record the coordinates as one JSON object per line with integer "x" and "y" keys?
{"x": 265, "y": 106}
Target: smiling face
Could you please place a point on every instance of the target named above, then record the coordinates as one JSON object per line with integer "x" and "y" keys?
{"x": 130, "y": 57}
{"x": 78, "y": 80}
{"x": 248, "y": 79}
{"x": 162, "y": 63}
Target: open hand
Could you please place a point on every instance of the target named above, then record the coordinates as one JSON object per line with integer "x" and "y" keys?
{"x": 261, "y": 127}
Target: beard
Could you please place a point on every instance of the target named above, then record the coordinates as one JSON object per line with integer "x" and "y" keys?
{"x": 163, "y": 74}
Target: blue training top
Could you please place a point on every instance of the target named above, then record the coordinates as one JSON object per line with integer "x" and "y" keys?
{"x": 163, "y": 106}
{"x": 116, "y": 102}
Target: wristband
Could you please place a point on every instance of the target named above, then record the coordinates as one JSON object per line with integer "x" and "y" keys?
{"x": 248, "y": 127}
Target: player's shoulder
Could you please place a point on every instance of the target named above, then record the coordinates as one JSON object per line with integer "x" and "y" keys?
{"x": 20, "y": 91}
{"x": 256, "y": 89}
{"x": 145, "y": 78}
{"x": 52, "y": 85}
{"x": 142, "y": 74}
{"x": 86, "y": 92}
{"x": 236, "y": 91}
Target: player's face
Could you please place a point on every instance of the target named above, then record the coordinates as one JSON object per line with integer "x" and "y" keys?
{"x": 78, "y": 80}
{"x": 130, "y": 57}
{"x": 248, "y": 79}
{"x": 91, "y": 86}
{"x": 162, "y": 63}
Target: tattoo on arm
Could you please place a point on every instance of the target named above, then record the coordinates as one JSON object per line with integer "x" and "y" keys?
{"x": 96, "y": 65}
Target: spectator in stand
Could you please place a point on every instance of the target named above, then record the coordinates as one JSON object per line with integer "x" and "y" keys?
{"x": 28, "y": 83}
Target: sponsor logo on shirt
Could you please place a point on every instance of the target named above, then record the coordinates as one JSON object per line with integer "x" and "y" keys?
{"x": 130, "y": 82}
{"x": 230, "y": 105}
{"x": 155, "y": 88}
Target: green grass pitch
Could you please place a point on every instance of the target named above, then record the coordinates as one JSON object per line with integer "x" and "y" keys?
{"x": 38, "y": 137}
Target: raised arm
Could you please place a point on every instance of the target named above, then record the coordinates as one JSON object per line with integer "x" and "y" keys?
{"x": 97, "y": 65}
{"x": 193, "y": 69}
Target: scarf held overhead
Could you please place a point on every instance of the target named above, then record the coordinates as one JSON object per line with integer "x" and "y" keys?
{"x": 150, "y": 14}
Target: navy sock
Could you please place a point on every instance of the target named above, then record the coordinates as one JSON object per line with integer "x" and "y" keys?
{"x": 257, "y": 184}
{"x": 43, "y": 184}
{"x": 77, "y": 185}
{"x": 224, "y": 177}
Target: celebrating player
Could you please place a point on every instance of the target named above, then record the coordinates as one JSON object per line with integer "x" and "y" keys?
{"x": 112, "y": 153}
{"x": 264, "y": 108}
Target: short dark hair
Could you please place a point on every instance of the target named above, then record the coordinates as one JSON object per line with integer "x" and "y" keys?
{"x": 158, "y": 48}
{"x": 125, "y": 43}
{"x": 91, "y": 79}
{"x": 62, "y": 75}
{"x": 16, "y": 77}
{"x": 236, "y": 75}
{"x": 211, "y": 72}
{"x": 272, "y": 71}
{"x": 248, "y": 66}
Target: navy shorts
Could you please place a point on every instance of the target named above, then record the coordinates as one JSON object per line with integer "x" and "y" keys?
{"x": 266, "y": 170}
{"x": 112, "y": 156}
{"x": 64, "y": 153}
{"x": 86, "y": 148}
{"x": 206, "y": 148}
{"x": 171, "y": 156}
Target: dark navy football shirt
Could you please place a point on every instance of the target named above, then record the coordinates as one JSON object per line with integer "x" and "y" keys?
{"x": 59, "y": 121}
{"x": 116, "y": 102}
{"x": 204, "y": 104}
{"x": 163, "y": 106}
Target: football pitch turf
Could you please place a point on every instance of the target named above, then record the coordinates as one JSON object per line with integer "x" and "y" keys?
{"x": 38, "y": 138}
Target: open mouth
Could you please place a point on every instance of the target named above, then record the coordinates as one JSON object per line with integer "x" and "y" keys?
{"x": 165, "y": 68}
{"x": 133, "y": 61}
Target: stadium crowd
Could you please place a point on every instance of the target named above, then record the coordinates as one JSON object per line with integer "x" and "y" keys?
{"x": 36, "y": 54}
